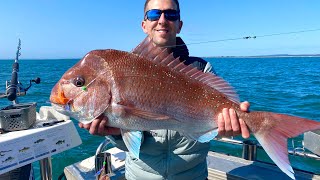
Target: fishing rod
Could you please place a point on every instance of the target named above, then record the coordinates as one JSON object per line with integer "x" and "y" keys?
{"x": 14, "y": 88}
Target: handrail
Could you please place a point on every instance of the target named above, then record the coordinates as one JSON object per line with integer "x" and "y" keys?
{"x": 299, "y": 151}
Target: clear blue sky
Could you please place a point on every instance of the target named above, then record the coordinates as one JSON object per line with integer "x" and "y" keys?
{"x": 71, "y": 28}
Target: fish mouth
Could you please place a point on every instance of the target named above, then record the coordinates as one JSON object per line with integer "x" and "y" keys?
{"x": 63, "y": 109}
{"x": 59, "y": 102}
{"x": 57, "y": 95}
{"x": 59, "y": 99}
{"x": 68, "y": 110}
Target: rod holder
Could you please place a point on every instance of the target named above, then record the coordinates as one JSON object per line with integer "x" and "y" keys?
{"x": 46, "y": 169}
{"x": 103, "y": 160}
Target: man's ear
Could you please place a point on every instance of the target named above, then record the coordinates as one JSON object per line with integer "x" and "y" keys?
{"x": 180, "y": 26}
{"x": 143, "y": 26}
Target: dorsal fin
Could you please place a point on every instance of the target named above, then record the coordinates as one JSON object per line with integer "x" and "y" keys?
{"x": 147, "y": 49}
{"x": 160, "y": 55}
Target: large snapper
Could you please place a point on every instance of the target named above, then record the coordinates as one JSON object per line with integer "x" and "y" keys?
{"x": 150, "y": 89}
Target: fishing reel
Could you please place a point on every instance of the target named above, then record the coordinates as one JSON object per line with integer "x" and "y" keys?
{"x": 20, "y": 89}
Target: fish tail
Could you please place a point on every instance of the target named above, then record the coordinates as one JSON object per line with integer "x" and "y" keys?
{"x": 274, "y": 132}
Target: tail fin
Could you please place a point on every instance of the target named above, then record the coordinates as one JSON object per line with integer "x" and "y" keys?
{"x": 274, "y": 140}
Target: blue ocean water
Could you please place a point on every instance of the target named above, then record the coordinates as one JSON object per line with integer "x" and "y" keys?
{"x": 288, "y": 85}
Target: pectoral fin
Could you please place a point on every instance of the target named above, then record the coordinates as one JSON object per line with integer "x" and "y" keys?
{"x": 203, "y": 137}
{"x": 133, "y": 140}
{"x": 142, "y": 113}
{"x": 208, "y": 136}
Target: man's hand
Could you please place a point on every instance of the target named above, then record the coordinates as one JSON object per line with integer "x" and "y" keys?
{"x": 230, "y": 125}
{"x": 99, "y": 127}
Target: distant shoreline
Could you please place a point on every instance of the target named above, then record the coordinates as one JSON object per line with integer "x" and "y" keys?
{"x": 258, "y": 56}
{"x": 267, "y": 56}
{"x": 28, "y": 59}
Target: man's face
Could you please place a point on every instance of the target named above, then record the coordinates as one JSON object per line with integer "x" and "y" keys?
{"x": 162, "y": 32}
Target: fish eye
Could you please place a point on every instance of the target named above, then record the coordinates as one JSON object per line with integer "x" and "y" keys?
{"x": 78, "y": 81}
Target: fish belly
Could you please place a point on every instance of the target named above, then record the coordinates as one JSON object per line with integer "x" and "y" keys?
{"x": 131, "y": 122}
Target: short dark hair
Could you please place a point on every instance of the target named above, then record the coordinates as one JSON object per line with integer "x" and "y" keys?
{"x": 147, "y": 1}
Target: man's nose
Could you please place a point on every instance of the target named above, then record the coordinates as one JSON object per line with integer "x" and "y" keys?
{"x": 162, "y": 19}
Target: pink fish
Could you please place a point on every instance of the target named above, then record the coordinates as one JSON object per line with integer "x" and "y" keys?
{"x": 150, "y": 89}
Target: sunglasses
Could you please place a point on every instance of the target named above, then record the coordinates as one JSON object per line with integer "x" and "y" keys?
{"x": 169, "y": 14}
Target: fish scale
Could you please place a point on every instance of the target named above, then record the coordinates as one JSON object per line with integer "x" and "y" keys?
{"x": 154, "y": 100}
{"x": 174, "y": 86}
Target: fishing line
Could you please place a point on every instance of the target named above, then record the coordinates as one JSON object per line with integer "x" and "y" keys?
{"x": 294, "y": 32}
{"x": 246, "y": 37}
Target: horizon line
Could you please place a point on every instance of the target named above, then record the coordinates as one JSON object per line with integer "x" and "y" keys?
{"x": 215, "y": 56}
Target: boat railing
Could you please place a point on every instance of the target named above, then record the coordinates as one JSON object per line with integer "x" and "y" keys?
{"x": 249, "y": 148}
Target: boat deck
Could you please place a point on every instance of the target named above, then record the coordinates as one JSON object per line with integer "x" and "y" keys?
{"x": 220, "y": 167}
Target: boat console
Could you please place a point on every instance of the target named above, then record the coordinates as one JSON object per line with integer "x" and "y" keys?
{"x": 50, "y": 134}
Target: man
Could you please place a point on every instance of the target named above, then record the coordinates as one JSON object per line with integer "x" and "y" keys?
{"x": 164, "y": 154}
